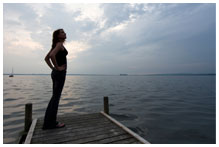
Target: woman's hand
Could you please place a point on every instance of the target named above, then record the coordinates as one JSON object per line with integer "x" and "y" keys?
{"x": 61, "y": 68}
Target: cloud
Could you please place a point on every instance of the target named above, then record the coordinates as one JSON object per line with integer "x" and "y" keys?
{"x": 118, "y": 13}
{"x": 134, "y": 38}
{"x": 85, "y": 11}
{"x": 20, "y": 43}
{"x": 18, "y": 30}
{"x": 155, "y": 43}
{"x": 75, "y": 47}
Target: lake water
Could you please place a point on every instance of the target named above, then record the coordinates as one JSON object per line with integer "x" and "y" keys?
{"x": 161, "y": 109}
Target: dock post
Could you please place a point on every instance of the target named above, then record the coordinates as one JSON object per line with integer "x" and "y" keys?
{"x": 106, "y": 104}
{"x": 28, "y": 116}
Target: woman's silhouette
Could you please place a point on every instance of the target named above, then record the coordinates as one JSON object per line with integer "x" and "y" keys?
{"x": 57, "y": 54}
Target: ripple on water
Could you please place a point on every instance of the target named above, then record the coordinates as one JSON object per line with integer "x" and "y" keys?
{"x": 10, "y": 99}
{"x": 123, "y": 117}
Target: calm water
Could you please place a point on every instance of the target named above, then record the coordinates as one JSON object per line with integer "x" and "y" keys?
{"x": 162, "y": 109}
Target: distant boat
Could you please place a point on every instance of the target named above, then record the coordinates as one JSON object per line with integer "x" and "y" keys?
{"x": 12, "y": 74}
{"x": 123, "y": 74}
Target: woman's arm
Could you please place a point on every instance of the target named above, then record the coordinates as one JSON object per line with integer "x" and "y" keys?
{"x": 47, "y": 59}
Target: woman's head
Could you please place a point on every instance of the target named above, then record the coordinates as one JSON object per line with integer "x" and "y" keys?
{"x": 58, "y": 36}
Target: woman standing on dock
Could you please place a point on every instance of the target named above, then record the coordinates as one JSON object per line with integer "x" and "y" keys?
{"x": 57, "y": 54}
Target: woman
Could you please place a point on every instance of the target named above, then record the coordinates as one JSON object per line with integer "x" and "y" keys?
{"x": 57, "y": 55}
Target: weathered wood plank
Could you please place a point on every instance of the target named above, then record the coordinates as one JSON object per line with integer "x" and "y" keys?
{"x": 76, "y": 117}
{"x": 110, "y": 139}
{"x": 126, "y": 129}
{"x": 78, "y": 123}
{"x": 126, "y": 141}
{"x": 95, "y": 138}
{"x": 30, "y": 132}
{"x": 81, "y": 136}
{"x": 69, "y": 128}
{"x": 86, "y": 128}
{"x": 78, "y": 133}
{"x": 74, "y": 129}
{"x": 69, "y": 121}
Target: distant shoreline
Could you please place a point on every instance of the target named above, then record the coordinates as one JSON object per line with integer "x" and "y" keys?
{"x": 180, "y": 74}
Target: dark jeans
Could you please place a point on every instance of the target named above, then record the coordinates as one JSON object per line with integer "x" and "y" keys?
{"x": 58, "y": 79}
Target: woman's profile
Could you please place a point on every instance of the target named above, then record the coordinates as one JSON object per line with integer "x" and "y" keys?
{"x": 56, "y": 60}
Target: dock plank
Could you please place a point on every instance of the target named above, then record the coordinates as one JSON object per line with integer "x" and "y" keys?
{"x": 110, "y": 138}
{"x": 93, "y": 128}
{"x": 74, "y": 135}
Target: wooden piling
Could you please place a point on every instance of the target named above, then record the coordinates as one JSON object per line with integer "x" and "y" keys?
{"x": 28, "y": 116}
{"x": 106, "y": 105}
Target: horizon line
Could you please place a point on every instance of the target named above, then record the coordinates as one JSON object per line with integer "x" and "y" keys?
{"x": 117, "y": 74}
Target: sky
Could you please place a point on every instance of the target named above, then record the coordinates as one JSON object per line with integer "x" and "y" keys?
{"x": 112, "y": 38}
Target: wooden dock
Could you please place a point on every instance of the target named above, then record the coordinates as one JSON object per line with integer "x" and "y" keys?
{"x": 95, "y": 128}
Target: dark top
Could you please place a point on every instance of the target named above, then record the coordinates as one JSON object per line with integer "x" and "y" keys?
{"x": 61, "y": 57}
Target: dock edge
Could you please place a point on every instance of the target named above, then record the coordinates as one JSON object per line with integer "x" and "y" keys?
{"x": 142, "y": 140}
{"x": 30, "y": 132}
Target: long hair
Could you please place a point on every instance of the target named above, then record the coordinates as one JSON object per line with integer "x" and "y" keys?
{"x": 55, "y": 38}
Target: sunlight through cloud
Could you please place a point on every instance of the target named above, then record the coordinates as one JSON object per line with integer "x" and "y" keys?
{"x": 75, "y": 47}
